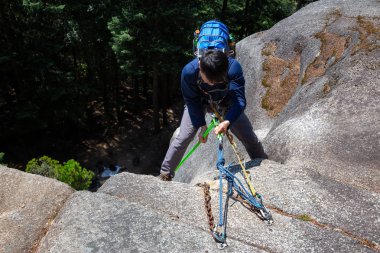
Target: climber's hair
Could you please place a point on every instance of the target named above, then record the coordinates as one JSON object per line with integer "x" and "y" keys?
{"x": 214, "y": 65}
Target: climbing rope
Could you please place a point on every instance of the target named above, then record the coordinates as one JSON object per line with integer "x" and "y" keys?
{"x": 234, "y": 147}
{"x": 235, "y": 190}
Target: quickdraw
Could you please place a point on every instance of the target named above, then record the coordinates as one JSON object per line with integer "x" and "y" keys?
{"x": 235, "y": 190}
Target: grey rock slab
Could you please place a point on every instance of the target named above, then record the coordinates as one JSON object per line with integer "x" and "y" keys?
{"x": 286, "y": 235}
{"x": 298, "y": 190}
{"x": 250, "y": 58}
{"x": 28, "y": 203}
{"x": 328, "y": 134}
{"x": 98, "y": 222}
{"x": 178, "y": 200}
{"x": 298, "y": 29}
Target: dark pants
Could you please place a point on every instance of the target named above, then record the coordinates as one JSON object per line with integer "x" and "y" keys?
{"x": 241, "y": 128}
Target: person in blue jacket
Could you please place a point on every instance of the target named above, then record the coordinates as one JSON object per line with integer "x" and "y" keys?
{"x": 214, "y": 78}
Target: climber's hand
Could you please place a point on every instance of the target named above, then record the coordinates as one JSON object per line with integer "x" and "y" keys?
{"x": 222, "y": 127}
{"x": 200, "y": 135}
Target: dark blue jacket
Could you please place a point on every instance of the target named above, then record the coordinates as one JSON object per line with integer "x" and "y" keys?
{"x": 193, "y": 95}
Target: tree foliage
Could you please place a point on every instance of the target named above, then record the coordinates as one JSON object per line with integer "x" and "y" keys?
{"x": 71, "y": 172}
{"x": 44, "y": 166}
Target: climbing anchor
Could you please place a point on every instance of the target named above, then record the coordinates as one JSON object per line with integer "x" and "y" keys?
{"x": 235, "y": 190}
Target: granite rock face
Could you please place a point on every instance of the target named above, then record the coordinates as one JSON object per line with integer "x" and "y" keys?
{"x": 28, "y": 203}
{"x": 135, "y": 213}
{"x": 312, "y": 85}
{"x": 97, "y": 222}
{"x": 314, "y": 82}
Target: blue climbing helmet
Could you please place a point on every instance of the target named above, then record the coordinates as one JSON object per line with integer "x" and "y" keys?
{"x": 212, "y": 35}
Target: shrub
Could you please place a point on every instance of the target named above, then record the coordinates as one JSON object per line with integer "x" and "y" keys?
{"x": 44, "y": 166}
{"x": 70, "y": 172}
{"x": 75, "y": 175}
{"x": 2, "y": 158}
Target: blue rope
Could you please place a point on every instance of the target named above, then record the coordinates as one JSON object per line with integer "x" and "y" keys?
{"x": 233, "y": 183}
{"x": 220, "y": 163}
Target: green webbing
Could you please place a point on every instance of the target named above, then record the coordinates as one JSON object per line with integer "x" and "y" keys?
{"x": 213, "y": 123}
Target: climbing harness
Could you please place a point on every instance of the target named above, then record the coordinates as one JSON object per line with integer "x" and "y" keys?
{"x": 235, "y": 190}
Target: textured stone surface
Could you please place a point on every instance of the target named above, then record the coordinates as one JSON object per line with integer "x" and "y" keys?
{"x": 318, "y": 115}
{"x": 288, "y": 234}
{"x": 27, "y": 205}
{"x": 302, "y": 191}
{"x": 178, "y": 200}
{"x": 118, "y": 219}
{"x": 97, "y": 222}
{"x": 332, "y": 120}
{"x": 135, "y": 213}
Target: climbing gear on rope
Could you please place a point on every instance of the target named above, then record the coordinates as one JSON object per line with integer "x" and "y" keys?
{"x": 234, "y": 147}
{"x": 220, "y": 231}
{"x": 210, "y": 127}
{"x": 266, "y": 216}
{"x": 235, "y": 190}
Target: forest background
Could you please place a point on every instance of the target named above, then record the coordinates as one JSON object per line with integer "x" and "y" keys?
{"x": 78, "y": 70}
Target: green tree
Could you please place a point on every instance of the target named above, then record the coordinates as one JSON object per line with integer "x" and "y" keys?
{"x": 71, "y": 172}
{"x": 151, "y": 39}
{"x": 39, "y": 87}
{"x": 44, "y": 166}
{"x": 55, "y": 60}
{"x": 75, "y": 175}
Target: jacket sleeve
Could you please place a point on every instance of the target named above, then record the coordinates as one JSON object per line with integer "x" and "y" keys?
{"x": 237, "y": 92}
{"x": 192, "y": 96}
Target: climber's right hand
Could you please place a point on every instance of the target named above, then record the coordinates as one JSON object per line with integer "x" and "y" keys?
{"x": 200, "y": 135}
